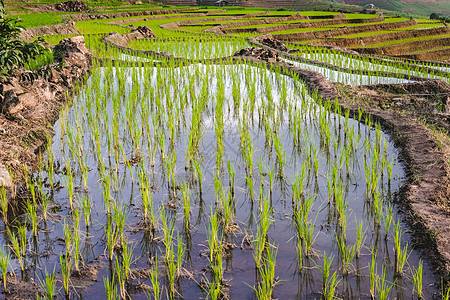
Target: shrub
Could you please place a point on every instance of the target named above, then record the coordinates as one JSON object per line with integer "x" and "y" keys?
{"x": 15, "y": 53}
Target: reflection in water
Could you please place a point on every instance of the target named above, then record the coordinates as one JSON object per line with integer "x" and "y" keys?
{"x": 284, "y": 175}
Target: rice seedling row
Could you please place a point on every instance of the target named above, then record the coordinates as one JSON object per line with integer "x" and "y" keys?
{"x": 220, "y": 179}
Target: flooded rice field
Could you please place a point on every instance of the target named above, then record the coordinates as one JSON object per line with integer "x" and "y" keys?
{"x": 212, "y": 181}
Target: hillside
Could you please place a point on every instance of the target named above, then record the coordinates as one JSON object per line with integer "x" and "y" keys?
{"x": 413, "y": 7}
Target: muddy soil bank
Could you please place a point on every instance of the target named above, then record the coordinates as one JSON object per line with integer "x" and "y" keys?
{"x": 63, "y": 29}
{"x": 380, "y": 38}
{"x": 323, "y": 34}
{"x": 177, "y": 24}
{"x": 432, "y": 55}
{"x": 221, "y": 27}
{"x": 314, "y": 24}
{"x": 28, "y": 109}
{"x": 406, "y": 48}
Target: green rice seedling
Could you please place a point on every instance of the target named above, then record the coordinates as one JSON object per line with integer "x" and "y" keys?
{"x": 261, "y": 238}
{"x": 186, "y": 205}
{"x": 121, "y": 281}
{"x": 76, "y": 239}
{"x": 401, "y": 254}
{"x": 232, "y": 176}
{"x": 198, "y": 173}
{"x": 378, "y": 208}
{"x": 180, "y": 253}
{"x": 154, "y": 280}
{"x": 111, "y": 234}
{"x": 228, "y": 212}
{"x": 281, "y": 155}
{"x": 120, "y": 215}
{"x": 169, "y": 255}
{"x": 127, "y": 258}
{"x": 360, "y": 238}
{"x": 249, "y": 180}
{"x": 22, "y": 232}
{"x": 270, "y": 174}
{"x": 389, "y": 168}
{"x": 50, "y": 168}
{"x": 85, "y": 204}
{"x": 15, "y": 247}
{"x": 329, "y": 282}
{"x": 171, "y": 165}
{"x": 5, "y": 257}
{"x": 264, "y": 288}
{"x": 373, "y": 274}
{"x": 4, "y": 203}
{"x": 215, "y": 246}
{"x": 299, "y": 185}
{"x": 110, "y": 288}
{"x": 69, "y": 184}
{"x": 68, "y": 238}
{"x": 383, "y": 287}
{"x": 387, "y": 220}
{"x": 32, "y": 216}
{"x": 347, "y": 254}
{"x": 66, "y": 267}
{"x": 147, "y": 199}
{"x": 49, "y": 284}
{"x": 417, "y": 277}
{"x": 305, "y": 228}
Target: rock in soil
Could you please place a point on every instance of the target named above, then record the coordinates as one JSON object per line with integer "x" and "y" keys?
{"x": 259, "y": 53}
{"x": 274, "y": 43}
{"x": 72, "y": 6}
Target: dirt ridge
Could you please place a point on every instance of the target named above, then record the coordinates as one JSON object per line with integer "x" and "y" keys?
{"x": 379, "y": 38}
{"x": 314, "y": 24}
{"x": 323, "y": 34}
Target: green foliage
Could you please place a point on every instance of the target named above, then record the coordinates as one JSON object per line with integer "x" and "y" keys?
{"x": 2, "y": 9}
{"x": 15, "y": 53}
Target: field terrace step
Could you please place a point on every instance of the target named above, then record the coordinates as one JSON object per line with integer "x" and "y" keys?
{"x": 432, "y": 55}
{"x": 379, "y": 38}
{"x": 177, "y": 24}
{"x": 87, "y": 17}
{"x": 314, "y": 24}
{"x": 181, "y": 2}
{"x": 403, "y": 49}
{"x": 268, "y": 20}
{"x": 324, "y": 34}
{"x": 244, "y": 3}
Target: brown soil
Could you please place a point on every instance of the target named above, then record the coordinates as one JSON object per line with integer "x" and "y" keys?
{"x": 405, "y": 48}
{"x": 28, "y": 109}
{"x": 63, "y": 29}
{"x": 379, "y": 38}
{"x": 317, "y": 35}
{"x": 302, "y": 25}
{"x": 19, "y": 289}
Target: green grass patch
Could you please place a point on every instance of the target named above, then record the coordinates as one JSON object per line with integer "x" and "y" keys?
{"x": 318, "y": 13}
{"x": 359, "y": 16}
{"x": 94, "y": 27}
{"x": 35, "y": 20}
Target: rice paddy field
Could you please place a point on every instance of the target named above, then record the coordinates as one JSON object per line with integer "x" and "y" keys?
{"x": 197, "y": 176}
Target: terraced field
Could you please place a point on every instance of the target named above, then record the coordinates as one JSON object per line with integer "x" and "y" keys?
{"x": 235, "y": 153}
